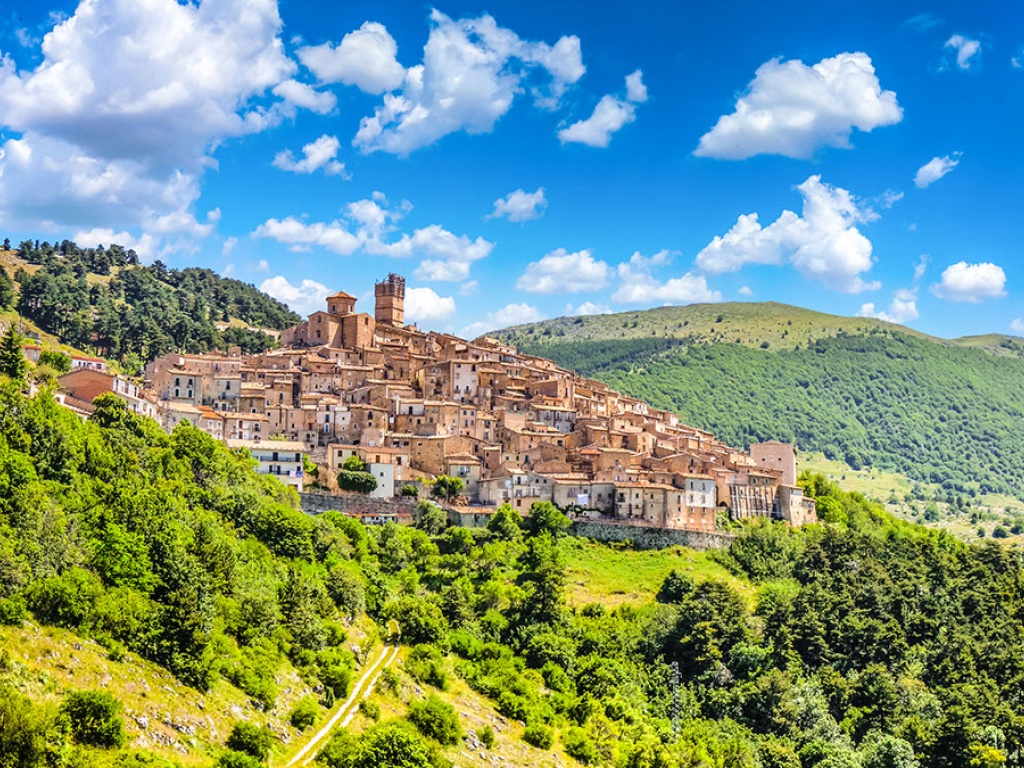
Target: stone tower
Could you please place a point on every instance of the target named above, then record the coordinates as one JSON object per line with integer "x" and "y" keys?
{"x": 390, "y": 300}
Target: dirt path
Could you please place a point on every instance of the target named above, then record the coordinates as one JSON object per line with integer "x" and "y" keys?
{"x": 344, "y": 715}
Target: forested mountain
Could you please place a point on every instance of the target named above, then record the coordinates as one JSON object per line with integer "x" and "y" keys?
{"x": 859, "y": 643}
{"x": 860, "y": 390}
{"x": 102, "y": 299}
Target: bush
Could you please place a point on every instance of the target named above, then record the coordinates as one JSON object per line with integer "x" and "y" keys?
{"x": 579, "y": 745}
{"x": 358, "y": 482}
{"x": 67, "y": 600}
{"x": 369, "y": 709}
{"x": 539, "y": 736}
{"x": 12, "y": 611}
{"x": 409, "y": 490}
{"x": 95, "y": 718}
{"x": 486, "y": 735}
{"x": 232, "y": 759}
{"x": 251, "y": 739}
{"x": 305, "y": 714}
{"x": 436, "y": 719}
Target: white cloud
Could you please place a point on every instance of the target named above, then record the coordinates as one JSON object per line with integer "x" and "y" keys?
{"x": 587, "y": 308}
{"x": 468, "y": 288}
{"x": 229, "y": 245}
{"x": 333, "y": 236}
{"x": 454, "y": 254}
{"x": 145, "y": 246}
{"x": 639, "y": 286}
{"x": 423, "y": 305}
{"x": 971, "y": 283}
{"x": 365, "y": 58}
{"x": 792, "y": 109}
{"x": 564, "y": 272}
{"x": 520, "y": 206}
{"x": 935, "y": 169}
{"x": 920, "y": 268}
{"x": 510, "y": 314}
{"x": 609, "y": 116}
{"x": 120, "y": 119}
{"x": 745, "y": 291}
{"x": 1017, "y": 326}
{"x": 305, "y": 298}
{"x": 315, "y": 155}
{"x": 305, "y": 96}
{"x": 902, "y": 308}
{"x": 966, "y": 49}
{"x": 449, "y": 256}
{"x": 889, "y": 198}
{"x": 472, "y": 71}
{"x": 636, "y": 91}
{"x": 823, "y": 244}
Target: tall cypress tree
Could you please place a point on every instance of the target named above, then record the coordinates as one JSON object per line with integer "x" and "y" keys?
{"x": 6, "y": 290}
{"x": 12, "y": 357}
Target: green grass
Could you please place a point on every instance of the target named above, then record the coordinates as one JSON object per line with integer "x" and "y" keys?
{"x": 611, "y": 576}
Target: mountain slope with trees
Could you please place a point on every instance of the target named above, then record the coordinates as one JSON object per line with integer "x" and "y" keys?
{"x": 862, "y": 391}
{"x": 104, "y": 300}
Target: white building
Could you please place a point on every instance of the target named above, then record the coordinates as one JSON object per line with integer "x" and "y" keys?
{"x": 280, "y": 458}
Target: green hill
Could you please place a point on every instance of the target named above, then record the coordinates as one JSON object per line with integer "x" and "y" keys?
{"x": 104, "y": 301}
{"x": 859, "y": 390}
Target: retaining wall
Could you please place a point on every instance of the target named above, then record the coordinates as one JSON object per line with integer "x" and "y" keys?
{"x": 644, "y": 537}
{"x": 357, "y": 504}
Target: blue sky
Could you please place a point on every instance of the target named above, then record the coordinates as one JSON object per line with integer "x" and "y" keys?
{"x": 520, "y": 160}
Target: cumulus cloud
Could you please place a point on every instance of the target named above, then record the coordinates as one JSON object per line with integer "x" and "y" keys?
{"x": 564, "y": 272}
{"x": 966, "y": 50}
{"x": 304, "y": 96}
{"x": 609, "y": 116}
{"x": 520, "y": 206}
{"x": 745, "y": 291}
{"x": 367, "y": 226}
{"x": 902, "y": 308}
{"x": 823, "y": 244}
{"x": 424, "y": 305}
{"x": 472, "y": 71}
{"x": 332, "y": 236}
{"x": 305, "y": 298}
{"x": 972, "y": 283}
{"x": 365, "y": 58}
{"x": 119, "y": 120}
{"x": 935, "y": 169}
{"x": 510, "y": 314}
{"x": 1017, "y": 326}
{"x": 315, "y": 155}
{"x": 793, "y": 109}
{"x": 639, "y": 286}
{"x": 587, "y": 308}
{"x": 145, "y": 245}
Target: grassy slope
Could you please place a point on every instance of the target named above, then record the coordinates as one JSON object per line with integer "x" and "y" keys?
{"x": 614, "y": 576}
{"x": 181, "y": 724}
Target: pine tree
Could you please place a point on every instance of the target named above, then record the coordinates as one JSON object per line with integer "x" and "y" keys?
{"x": 12, "y": 357}
{"x": 6, "y": 290}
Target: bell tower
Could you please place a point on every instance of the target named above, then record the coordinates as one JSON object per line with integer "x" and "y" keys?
{"x": 390, "y": 300}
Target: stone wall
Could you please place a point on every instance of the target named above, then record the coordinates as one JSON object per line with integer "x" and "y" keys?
{"x": 357, "y": 504}
{"x": 644, "y": 537}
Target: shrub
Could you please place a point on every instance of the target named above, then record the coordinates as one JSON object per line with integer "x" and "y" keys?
{"x": 305, "y": 714}
{"x": 232, "y": 759}
{"x": 67, "y": 600}
{"x": 358, "y": 482}
{"x": 539, "y": 736}
{"x": 409, "y": 490}
{"x": 94, "y": 718}
{"x": 486, "y": 735}
{"x": 251, "y": 739}
{"x": 436, "y": 719}
{"x": 579, "y": 745}
{"x": 370, "y": 709}
{"x": 12, "y": 611}
{"x": 426, "y": 664}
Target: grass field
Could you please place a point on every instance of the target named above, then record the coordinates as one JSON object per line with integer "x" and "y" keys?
{"x": 612, "y": 576}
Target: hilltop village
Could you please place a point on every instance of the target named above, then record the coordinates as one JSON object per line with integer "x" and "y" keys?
{"x": 415, "y": 405}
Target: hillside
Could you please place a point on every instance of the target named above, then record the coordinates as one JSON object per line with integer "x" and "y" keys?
{"x": 105, "y": 302}
{"x": 157, "y": 596}
{"x": 858, "y": 390}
